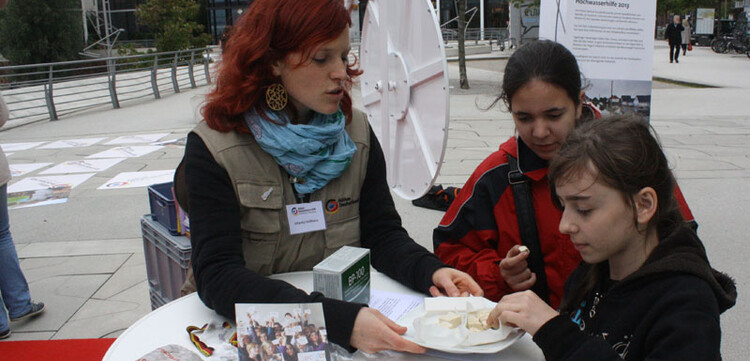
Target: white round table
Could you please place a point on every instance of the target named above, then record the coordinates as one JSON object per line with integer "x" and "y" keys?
{"x": 167, "y": 325}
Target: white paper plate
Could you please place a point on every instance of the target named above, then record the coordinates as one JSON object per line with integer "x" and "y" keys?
{"x": 407, "y": 320}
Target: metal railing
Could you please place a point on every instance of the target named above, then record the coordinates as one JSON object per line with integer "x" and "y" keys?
{"x": 47, "y": 91}
{"x": 475, "y": 34}
{"x": 492, "y": 36}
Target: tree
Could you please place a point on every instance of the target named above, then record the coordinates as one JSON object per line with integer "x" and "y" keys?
{"x": 670, "y": 7}
{"x": 41, "y": 31}
{"x": 173, "y": 22}
{"x": 463, "y": 79}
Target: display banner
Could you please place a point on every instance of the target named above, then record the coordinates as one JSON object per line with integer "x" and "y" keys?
{"x": 613, "y": 41}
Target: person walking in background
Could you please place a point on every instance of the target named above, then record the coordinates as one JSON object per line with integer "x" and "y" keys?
{"x": 14, "y": 290}
{"x": 685, "y": 36}
{"x": 673, "y": 34}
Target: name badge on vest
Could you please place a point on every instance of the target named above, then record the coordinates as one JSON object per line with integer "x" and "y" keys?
{"x": 306, "y": 217}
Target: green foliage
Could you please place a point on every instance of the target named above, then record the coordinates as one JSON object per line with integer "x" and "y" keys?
{"x": 125, "y": 50}
{"x": 670, "y": 7}
{"x": 41, "y": 31}
{"x": 173, "y": 22}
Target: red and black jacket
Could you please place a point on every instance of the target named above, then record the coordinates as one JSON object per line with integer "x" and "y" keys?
{"x": 481, "y": 224}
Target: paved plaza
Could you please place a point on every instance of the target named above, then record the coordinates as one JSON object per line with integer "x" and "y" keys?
{"x": 84, "y": 259}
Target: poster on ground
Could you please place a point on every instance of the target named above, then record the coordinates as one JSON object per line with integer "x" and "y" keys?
{"x": 21, "y": 169}
{"x": 126, "y": 151}
{"x": 14, "y": 147}
{"x": 39, "y": 197}
{"x": 43, "y": 190}
{"x": 613, "y": 41}
{"x": 139, "y": 179}
{"x": 83, "y": 166}
{"x": 135, "y": 139}
{"x": 71, "y": 143}
{"x": 45, "y": 182}
{"x": 179, "y": 142}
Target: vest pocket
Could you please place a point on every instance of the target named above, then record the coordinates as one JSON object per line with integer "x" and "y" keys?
{"x": 261, "y": 206}
{"x": 259, "y": 256}
{"x": 342, "y": 233}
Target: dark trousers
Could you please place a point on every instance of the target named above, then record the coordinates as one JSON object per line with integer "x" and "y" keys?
{"x": 674, "y": 52}
{"x": 684, "y": 49}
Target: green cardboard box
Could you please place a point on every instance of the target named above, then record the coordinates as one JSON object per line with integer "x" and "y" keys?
{"x": 344, "y": 275}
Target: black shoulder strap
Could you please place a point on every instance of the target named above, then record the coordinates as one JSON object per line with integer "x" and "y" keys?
{"x": 527, "y": 226}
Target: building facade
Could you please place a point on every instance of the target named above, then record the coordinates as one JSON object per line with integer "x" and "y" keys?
{"x": 485, "y": 14}
{"x": 482, "y": 14}
{"x": 223, "y": 14}
{"x": 220, "y": 14}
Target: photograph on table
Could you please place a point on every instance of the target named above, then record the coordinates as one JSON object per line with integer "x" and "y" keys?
{"x": 281, "y": 332}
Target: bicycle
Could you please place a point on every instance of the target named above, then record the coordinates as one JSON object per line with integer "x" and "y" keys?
{"x": 729, "y": 43}
{"x": 738, "y": 45}
{"x": 716, "y": 44}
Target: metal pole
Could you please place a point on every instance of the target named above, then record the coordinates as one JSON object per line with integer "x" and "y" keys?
{"x": 105, "y": 9}
{"x": 112, "y": 69}
{"x": 190, "y": 69}
{"x": 725, "y": 9}
{"x": 96, "y": 12}
{"x": 206, "y": 61}
{"x": 85, "y": 26}
{"x": 174, "y": 73}
{"x": 481, "y": 18}
{"x": 49, "y": 98}
{"x": 154, "y": 73}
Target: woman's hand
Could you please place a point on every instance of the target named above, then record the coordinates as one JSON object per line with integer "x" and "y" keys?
{"x": 374, "y": 332}
{"x": 522, "y": 309}
{"x": 515, "y": 270}
{"x": 454, "y": 283}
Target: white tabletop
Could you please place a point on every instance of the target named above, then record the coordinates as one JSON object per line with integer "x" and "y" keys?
{"x": 167, "y": 325}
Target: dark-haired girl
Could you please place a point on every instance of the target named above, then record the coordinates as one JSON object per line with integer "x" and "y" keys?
{"x": 280, "y": 135}
{"x": 480, "y": 233}
{"x": 645, "y": 289}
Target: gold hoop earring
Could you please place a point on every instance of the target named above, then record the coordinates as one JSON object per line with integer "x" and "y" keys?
{"x": 276, "y": 97}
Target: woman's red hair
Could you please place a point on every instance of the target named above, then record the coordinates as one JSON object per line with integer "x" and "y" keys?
{"x": 265, "y": 34}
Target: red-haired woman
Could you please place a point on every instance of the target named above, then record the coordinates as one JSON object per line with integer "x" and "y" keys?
{"x": 280, "y": 140}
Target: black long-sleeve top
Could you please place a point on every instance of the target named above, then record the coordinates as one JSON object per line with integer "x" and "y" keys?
{"x": 218, "y": 263}
{"x": 673, "y": 33}
{"x": 666, "y": 310}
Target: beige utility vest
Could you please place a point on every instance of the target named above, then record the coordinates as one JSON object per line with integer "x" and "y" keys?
{"x": 263, "y": 190}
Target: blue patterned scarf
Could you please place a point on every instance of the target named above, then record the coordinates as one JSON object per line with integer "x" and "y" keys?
{"x": 315, "y": 153}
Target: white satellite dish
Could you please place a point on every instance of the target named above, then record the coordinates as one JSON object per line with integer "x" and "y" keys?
{"x": 405, "y": 90}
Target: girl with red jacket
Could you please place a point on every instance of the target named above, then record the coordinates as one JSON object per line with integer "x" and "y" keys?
{"x": 479, "y": 234}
